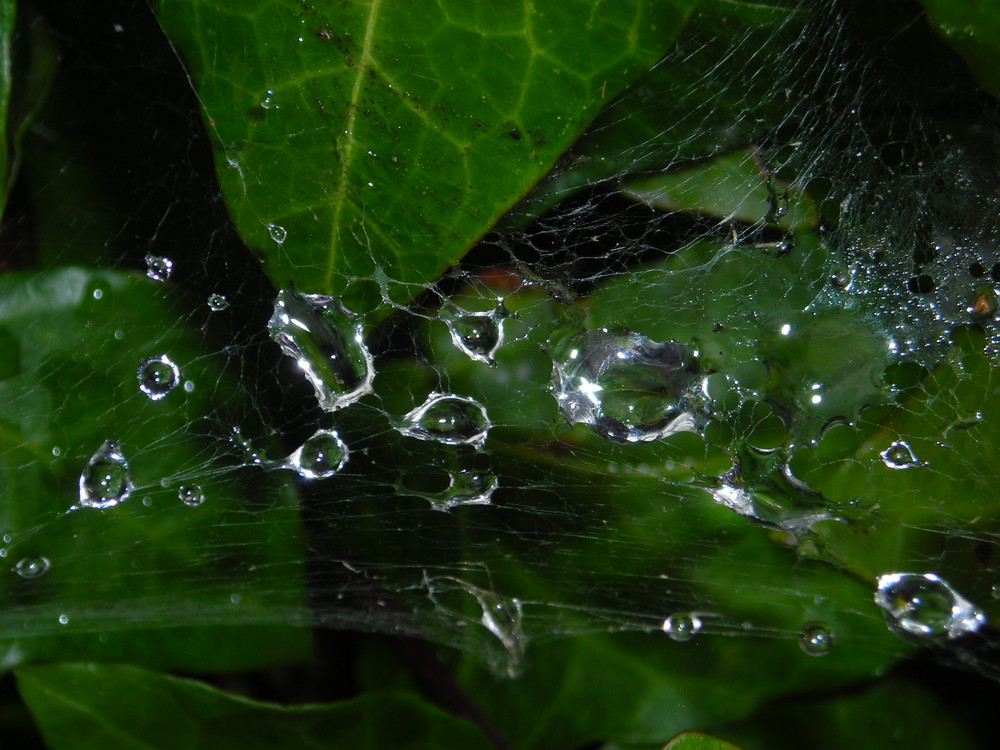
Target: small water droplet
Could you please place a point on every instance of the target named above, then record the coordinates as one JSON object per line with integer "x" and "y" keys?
{"x": 158, "y": 268}
{"x": 625, "y": 387}
{"x": 899, "y": 455}
{"x": 63, "y": 619}
{"x": 56, "y": 451}
{"x": 924, "y": 604}
{"x": 682, "y": 626}
{"x": 466, "y": 487}
{"x": 267, "y": 101}
{"x": 319, "y": 457}
{"x": 816, "y": 639}
{"x": 217, "y": 303}
{"x": 157, "y": 376}
{"x": 449, "y": 419}
{"x": 188, "y": 385}
{"x": 478, "y": 335}
{"x": 98, "y": 293}
{"x": 250, "y": 454}
{"x": 235, "y": 598}
{"x": 106, "y": 481}
{"x": 278, "y": 233}
{"x": 327, "y": 343}
{"x": 32, "y": 567}
{"x": 191, "y": 495}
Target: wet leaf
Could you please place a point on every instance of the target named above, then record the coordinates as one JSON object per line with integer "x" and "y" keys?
{"x": 84, "y": 706}
{"x": 355, "y": 138}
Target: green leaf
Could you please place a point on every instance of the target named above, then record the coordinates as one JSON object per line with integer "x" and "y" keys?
{"x": 690, "y": 105}
{"x": 893, "y": 712}
{"x": 734, "y": 187}
{"x": 697, "y": 741}
{"x": 82, "y": 706}
{"x": 151, "y": 579}
{"x": 363, "y": 137}
{"x": 972, "y": 28}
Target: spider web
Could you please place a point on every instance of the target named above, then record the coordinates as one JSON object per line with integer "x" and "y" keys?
{"x": 724, "y": 380}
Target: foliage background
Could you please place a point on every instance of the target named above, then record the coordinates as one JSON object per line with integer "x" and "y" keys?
{"x": 113, "y": 154}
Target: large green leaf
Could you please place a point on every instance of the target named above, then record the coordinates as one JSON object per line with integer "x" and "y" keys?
{"x": 358, "y": 136}
{"x": 892, "y": 712}
{"x": 82, "y": 706}
{"x": 151, "y": 579}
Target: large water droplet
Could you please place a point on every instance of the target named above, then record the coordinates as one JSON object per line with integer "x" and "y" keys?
{"x": 450, "y": 419}
{"x": 158, "y": 268}
{"x": 625, "y": 387}
{"x": 479, "y": 334}
{"x": 899, "y": 455}
{"x": 217, "y": 303}
{"x": 191, "y": 495}
{"x": 682, "y": 626}
{"x": 106, "y": 480}
{"x": 319, "y": 457}
{"x": 157, "y": 376}
{"x": 327, "y": 343}
{"x": 32, "y": 567}
{"x": 816, "y": 639}
{"x": 278, "y": 233}
{"x": 924, "y": 604}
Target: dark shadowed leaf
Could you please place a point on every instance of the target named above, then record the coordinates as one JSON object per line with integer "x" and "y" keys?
{"x": 83, "y": 706}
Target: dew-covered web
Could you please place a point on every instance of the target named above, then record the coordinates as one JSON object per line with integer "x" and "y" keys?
{"x": 727, "y": 371}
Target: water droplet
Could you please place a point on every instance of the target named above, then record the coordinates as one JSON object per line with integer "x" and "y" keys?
{"x": 682, "y": 626}
{"x": 816, "y": 639}
{"x": 625, "y": 387}
{"x": 278, "y": 233}
{"x": 267, "y": 101}
{"x": 479, "y": 335}
{"x": 319, "y": 457}
{"x": 250, "y": 454}
{"x": 32, "y": 567}
{"x": 191, "y": 495}
{"x": 106, "y": 481}
{"x": 327, "y": 343}
{"x": 217, "y": 303}
{"x": 157, "y": 376}
{"x": 98, "y": 293}
{"x": 466, "y": 487}
{"x": 899, "y": 455}
{"x": 63, "y": 619}
{"x": 157, "y": 268}
{"x": 449, "y": 419}
{"x": 924, "y": 604}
